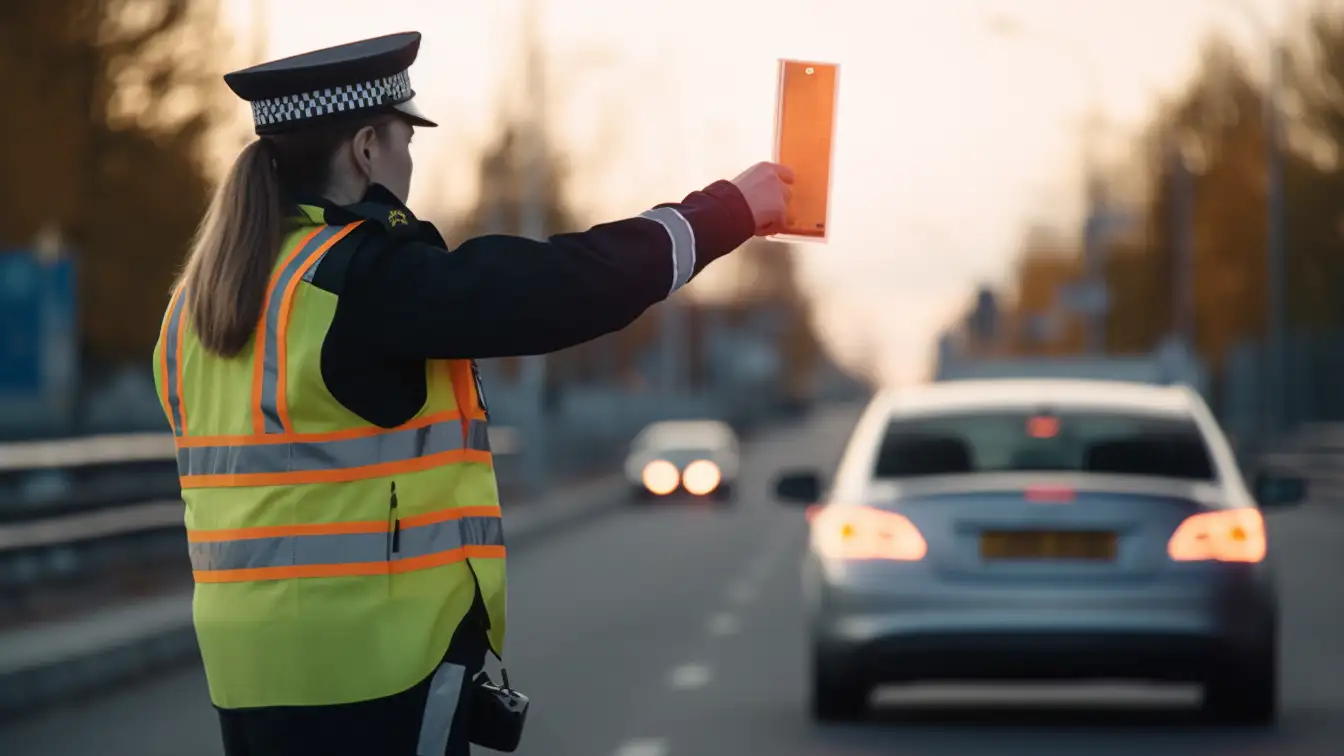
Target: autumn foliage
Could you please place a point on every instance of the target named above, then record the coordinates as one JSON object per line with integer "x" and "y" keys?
{"x": 1217, "y": 127}
{"x": 111, "y": 105}
{"x": 114, "y": 106}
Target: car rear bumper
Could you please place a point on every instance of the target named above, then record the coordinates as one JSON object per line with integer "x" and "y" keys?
{"x": 1165, "y": 630}
{"x": 723, "y": 490}
{"x": 1041, "y": 655}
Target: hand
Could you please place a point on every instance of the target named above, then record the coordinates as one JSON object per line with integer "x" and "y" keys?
{"x": 765, "y": 187}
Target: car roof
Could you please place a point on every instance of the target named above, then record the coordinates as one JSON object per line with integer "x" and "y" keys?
{"x": 688, "y": 431}
{"x": 954, "y": 396}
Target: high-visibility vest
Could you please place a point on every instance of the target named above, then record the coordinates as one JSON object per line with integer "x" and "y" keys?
{"x": 333, "y": 559}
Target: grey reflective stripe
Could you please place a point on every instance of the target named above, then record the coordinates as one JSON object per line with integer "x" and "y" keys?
{"x": 445, "y": 690}
{"x": 175, "y": 324}
{"x": 312, "y": 456}
{"x": 683, "y": 243}
{"x": 270, "y": 346}
{"x": 478, "y": 433}
{"x": 345, "y": 548}
{"x": 311, "y": 273}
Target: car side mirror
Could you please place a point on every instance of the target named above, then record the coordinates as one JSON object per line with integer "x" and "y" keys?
{"x": 1279, "y": 489}
{"x": 798, "y": 487}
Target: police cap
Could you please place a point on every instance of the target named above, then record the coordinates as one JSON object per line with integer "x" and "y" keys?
{"x": 352, "y": 80}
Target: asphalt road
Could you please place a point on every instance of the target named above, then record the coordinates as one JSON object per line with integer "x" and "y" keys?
{"x": 663, "y": 631}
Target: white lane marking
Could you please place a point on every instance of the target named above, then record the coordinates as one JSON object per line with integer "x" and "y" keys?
{"x": 689, "y": 676}
{"x": 643, "y": 747}
{"x": 724, "y": 624}
{"x": 741, "y": 592}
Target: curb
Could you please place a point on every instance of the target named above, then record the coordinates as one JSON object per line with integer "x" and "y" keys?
{"x": 25, "y": 689}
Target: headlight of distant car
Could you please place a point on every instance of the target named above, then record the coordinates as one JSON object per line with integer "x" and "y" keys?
{"x": 701, "y": 477}
{"x": 661, "y": 477}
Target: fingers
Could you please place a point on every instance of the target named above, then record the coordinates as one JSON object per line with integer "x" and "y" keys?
{"x": 767, "y": 189}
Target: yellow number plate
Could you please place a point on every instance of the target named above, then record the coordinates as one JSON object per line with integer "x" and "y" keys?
{"x": 1076, "y": 545}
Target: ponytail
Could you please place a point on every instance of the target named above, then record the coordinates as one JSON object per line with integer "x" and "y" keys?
{"x": 234, "y": 252}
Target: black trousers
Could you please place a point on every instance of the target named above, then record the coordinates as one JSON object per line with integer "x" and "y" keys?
{"x": 430, "y": 719}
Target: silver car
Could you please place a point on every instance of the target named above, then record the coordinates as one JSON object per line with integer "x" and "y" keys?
{"x": 684, "y": 458}
{"x": 1041, "y": 530}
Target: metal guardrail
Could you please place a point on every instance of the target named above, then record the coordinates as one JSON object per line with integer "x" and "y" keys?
{"x": 59, "y": 493}
{"x": 82, "y": 452}
{"x": 138, "y": 447}
{"x": 96, "y": 508}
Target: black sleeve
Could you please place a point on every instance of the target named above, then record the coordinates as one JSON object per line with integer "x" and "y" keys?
{"x": 504, "y": 296}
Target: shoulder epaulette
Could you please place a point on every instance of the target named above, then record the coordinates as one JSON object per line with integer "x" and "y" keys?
{"x": 395, "y": 220}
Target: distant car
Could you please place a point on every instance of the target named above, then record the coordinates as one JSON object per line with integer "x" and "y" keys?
{"x": 1039, "y": 530}
{"x": 695, "y": 458}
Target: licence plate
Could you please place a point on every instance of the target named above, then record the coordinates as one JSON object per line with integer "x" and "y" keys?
{"x": 1095, "y": 546}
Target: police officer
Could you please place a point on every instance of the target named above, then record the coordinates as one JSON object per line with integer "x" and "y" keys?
{"x": 315, "y": 365}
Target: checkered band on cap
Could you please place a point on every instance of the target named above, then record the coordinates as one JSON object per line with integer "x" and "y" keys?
{"x": 369, "y": 94}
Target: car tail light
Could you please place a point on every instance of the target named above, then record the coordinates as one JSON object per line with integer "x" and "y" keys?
{"x": 701, "y": 477}
{"x": 1049, "y": 495}
{"x": 866, "y": 533}
{"x": 661, "y": 477}
{"x": 1233, "y": 535}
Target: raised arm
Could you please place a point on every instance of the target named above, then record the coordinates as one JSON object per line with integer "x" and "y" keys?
{"x": 500, "y": 296}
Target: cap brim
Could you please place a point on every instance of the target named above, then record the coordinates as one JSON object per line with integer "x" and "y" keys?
{"x": 414, "y": 114}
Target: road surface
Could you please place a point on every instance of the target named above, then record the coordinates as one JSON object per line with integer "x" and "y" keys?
{"x": 663, "y": 631}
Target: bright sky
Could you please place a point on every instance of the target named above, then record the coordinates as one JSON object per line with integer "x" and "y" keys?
{"x": 951, "y": 138}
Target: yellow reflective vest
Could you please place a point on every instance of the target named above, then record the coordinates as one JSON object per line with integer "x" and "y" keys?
{"x": 333, "y": 559}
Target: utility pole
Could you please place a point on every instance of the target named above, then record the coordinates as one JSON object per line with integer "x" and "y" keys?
{"x": 1096, "y": 226}
{"x": 533, "y": 221}
{"x": 1183, "y": 243}
{"x": 1276, "y": 252}
{"x": 1097, "y": 220}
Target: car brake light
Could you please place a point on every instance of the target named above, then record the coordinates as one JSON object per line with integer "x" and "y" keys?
{"x": 1233, "y": 535}
{"x": 1049, "y": 494}
{"x": 865, "y": 533}
{"x": 1043, "y": 426}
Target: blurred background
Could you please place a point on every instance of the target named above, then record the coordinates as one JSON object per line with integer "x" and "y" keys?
{"x": 1142, "y": 189}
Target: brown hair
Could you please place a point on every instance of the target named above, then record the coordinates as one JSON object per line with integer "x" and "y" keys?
{"x": 238, "y": 240}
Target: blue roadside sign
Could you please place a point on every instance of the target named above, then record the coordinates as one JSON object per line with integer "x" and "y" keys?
{"x": 37, "y": 324}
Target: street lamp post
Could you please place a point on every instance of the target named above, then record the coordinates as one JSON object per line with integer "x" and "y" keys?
{"x": 1276, "y": 377}
{"x": 1276, "y": 251}
{"x": 535, "y": 186}
{"x": 1094, "y": 271}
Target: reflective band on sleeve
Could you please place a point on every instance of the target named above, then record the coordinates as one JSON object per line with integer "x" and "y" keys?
{"x": 333, "y": 554}
{"x": 172, "y": 361}
{"x": 304, "y": 258}
{"x": 683, "y": 243}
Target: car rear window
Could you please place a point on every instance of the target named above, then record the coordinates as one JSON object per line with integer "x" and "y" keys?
{"x": 1100, "y": 442}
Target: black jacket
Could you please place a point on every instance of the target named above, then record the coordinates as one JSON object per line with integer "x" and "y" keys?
{"x": 405, "y": 298}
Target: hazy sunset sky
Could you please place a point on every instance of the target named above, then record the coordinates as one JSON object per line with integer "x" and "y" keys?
{"x": 951, "y": 137}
